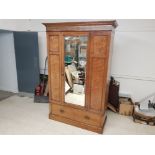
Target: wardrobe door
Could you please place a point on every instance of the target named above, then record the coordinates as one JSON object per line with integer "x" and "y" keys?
{"x": 54, "y": 65}
{"x": 98, "y": 68}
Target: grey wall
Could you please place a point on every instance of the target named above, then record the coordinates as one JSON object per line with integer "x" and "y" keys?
{"x": 8, "y": 72}
{"x": 27, "y": 60}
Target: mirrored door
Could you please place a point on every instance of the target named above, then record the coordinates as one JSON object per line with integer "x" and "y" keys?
{"x": 75, "y": 61}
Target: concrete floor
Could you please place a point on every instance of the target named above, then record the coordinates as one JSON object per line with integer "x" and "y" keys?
{"x": 5, "y": 94}
{"x": 19, "y": 115}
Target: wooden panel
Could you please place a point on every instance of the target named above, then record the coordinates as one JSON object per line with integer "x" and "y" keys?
{"x": 97, "y": 79}
{"x": 100, "y": 46}
{"x": 55, "y": 77}
{"x": 98, "y": 61}
{"x": 81, "y": 26}
{"x": 54, "y": 43}
{"x": 88, "y": 23}
{"x": 76, "y": 114}
{"x": 98, "y": 129}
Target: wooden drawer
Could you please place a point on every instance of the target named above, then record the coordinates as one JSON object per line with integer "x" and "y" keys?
{"x": 77, "y": 114}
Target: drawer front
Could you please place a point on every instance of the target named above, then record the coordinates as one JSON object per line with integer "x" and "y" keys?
{"x": 76, "y": 114}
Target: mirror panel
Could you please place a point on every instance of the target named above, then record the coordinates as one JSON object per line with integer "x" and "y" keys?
{"x": 75, "y": 59}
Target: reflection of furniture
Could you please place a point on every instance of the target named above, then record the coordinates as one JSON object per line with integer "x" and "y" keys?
{"x": 68, "y": 59}
{"x": 75, "y": 75}
{"x": 68, "y": 77}
{"x": 92, "y": 115}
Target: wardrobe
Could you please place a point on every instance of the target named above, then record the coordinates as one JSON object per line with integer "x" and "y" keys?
{"x": 79, "y": 58}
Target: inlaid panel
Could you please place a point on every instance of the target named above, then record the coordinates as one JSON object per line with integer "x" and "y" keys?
{"x": 55, "y": 86}
{"x": 54, "y": 44}
{"x": 100, "y": 46}
{"x": 97, "y": 80}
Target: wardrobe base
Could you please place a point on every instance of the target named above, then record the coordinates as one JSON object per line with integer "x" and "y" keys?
{"x": 79, "y": 124}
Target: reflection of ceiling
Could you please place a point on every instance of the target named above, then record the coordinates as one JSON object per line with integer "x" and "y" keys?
{"x": 83, "y": 38}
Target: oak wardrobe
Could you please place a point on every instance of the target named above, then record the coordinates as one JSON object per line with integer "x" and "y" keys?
{"x": 79, "y": 57}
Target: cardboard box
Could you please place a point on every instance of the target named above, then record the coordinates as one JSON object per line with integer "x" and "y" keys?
{"x": 126, "y": 106}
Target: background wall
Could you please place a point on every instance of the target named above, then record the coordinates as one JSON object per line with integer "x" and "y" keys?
{"x": 8, "y": 72}
{"x": 133, "y": 55}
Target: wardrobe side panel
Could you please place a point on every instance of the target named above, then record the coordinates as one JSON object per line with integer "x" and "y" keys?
{"x": 99, "y": 53}
{"x": 54, "y": 67}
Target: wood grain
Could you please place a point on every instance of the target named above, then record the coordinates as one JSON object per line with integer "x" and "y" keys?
{"x": 77, "y": 114}
{"x": 78, "y": 124}
{"x": 93, "y": 115}
{"x": 55, "y": 90}
{"x": 81, "y": 26}
{"x": 100, "y": 46}
{"x": 97, "y": 80}
{"x": 54, "y": 43}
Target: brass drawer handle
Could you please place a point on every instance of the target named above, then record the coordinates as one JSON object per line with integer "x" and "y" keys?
{"x": 87, "y": 117}
{"x": 62, "y": 111}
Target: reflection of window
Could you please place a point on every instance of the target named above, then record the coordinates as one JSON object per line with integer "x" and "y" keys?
{"x": 82, "y": 50}
{"x": 82, "y": 62}
{"x": 75, "y": 49}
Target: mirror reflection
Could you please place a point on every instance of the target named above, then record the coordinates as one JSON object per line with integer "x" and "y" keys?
{"x": 75, "y": 69}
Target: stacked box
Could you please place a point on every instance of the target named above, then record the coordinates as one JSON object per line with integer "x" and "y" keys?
{"x": 126, "y": 106}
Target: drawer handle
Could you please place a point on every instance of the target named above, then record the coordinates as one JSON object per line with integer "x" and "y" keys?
{"x": 87, "y": 117}
{"x": 62, "y": 111}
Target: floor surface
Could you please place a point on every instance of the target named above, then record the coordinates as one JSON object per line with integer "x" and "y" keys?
{"x": 19, "y": 115}
{"x": 4, "y": 95}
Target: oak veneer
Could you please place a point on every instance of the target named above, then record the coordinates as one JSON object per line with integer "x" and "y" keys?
{"x": 100, "y": 38}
